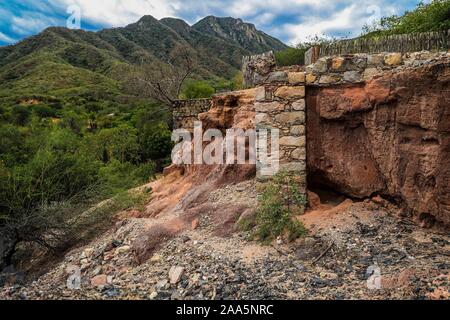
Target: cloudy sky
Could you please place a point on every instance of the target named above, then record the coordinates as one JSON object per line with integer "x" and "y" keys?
{"x": 290, "y": 20}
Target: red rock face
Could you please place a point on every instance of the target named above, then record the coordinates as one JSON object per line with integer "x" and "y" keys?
{"x": 390, "y": 136}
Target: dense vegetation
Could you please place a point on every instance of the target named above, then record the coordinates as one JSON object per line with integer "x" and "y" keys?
{"x": 72, "y": 134}
{"x": 291, "y": 56}
{"x": 432, "y": 16}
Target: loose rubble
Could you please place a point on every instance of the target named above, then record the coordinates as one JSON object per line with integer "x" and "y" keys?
{"x": 340, "y": 259}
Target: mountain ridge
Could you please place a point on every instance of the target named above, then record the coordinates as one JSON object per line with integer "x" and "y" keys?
{"x": 217, "y": 43}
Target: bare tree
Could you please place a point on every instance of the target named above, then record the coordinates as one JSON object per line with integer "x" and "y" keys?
{"x": 163, "y": 81}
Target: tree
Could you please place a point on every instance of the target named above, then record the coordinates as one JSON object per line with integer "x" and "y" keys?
{"x": 432, "y": 16}
{"x": 118, "y": 143}
{"x": 155, "y": 141}
{"x": 163, "y": 82}
{"x": 197, "y": 90}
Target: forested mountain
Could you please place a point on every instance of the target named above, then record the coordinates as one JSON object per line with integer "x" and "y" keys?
{"x": 60, "y": 60}
{"x": 74, "y": 130}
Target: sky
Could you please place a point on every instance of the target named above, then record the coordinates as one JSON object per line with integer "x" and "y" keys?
{"x": 292, "y": 21}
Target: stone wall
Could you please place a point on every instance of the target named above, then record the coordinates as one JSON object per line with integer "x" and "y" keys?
{"x": 376, "y": 124}
{"x": 185, "y": 112}
{"x": 280, "y": 104}
{"x": 357, "y": 68}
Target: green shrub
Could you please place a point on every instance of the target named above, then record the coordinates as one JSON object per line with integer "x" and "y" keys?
{"x": 280, "y": 201}
{"x": 432, "y": 16}
{"x": 155, "y": 141}
{"x": 290, "y": 57}
{"x": 44, "y": 111}
{"x": 197, "y": 90}
{"x": 20, "y": 115}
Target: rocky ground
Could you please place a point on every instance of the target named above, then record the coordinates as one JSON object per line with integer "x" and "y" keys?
{"x": 348, "y": 246}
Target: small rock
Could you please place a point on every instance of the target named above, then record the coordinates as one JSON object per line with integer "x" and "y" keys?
{"x": 175, "y": 274}
{"x": 123, "y": 249}
{"x": 87, "y": 253}
{"x": 97, "y": 271}
{"x": 153, "y": 295}
{"x": 155, "y": 258}
{"x": 100, "y": 280}
{"x": 161, "y": 284}
{"x": 116, "y": 243}
{"x": 195, "y": 224}
{"x": 378, "y": 200}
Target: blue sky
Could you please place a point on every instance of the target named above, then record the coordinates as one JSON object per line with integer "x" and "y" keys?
{"x": 290, "y": 20}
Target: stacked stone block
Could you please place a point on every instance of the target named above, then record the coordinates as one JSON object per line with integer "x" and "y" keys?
{"x": 185, "y": 112}
{"x": 356, "y": 68}
{"x": 280, "y": 104}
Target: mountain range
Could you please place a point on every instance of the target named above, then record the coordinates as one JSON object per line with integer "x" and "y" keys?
{"x": 60, "y": 61}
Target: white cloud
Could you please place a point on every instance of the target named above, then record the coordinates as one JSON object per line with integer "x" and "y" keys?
{"x": 289, "y": 20}
{"x": 117, "y": 13}
{"x": 32, "y": 22}
{"x": 346, "y": 22}
{"x": 5, "y": 38}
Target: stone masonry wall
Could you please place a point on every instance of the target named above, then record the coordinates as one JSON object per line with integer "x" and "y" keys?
{"x": 358, "y": 68}
{"x": 280, "y": 104}
{"x": 348, "y": 90}
{"x": 185, "y": 112}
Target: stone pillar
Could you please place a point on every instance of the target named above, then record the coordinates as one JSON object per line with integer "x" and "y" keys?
{"x": 282, "y": 106}
{"x": 255, "y": 69}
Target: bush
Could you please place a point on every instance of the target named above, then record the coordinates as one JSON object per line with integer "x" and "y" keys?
{"x": 291, "y": 56}
{"x": 43, "y": 111}
{"x": 197, "y": 90}
{"x": 155, "y": 141}
{"x": 280, "y": 202}
{"x": 20, "y": 115}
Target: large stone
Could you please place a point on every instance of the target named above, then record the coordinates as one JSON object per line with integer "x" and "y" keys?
{"x": 299, "y": 166}
{"x": 287, "y": 93}
{"x": 338, "y": 64}
{"x": 299, "y": 105}
{"x": 369, "y": 73}
{"x": 296, "y": 77}
{"x": 269, "y": 106}
{"x": 330, "y": 79}
{"x": 260, "y": 93}
{"x": 393, "y": 59}
{"x": 262, "y": 118}
{"x": 311, "y": 78}
{"x": 352, "y": 76}
{"x": 321, "y": 65}
{"x": 293, "y": 141}
{"x": 289, "y": 118}
{"x": 277, "y": 76}
{"x": 122, "y": 250}
{"x": 298, "y": 130}
{"x": 375, "y": 60}
{"x": 299, "y": 154}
